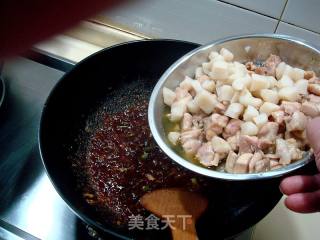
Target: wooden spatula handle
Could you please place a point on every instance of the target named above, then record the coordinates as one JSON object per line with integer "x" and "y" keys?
{"x": 188, "y": 233}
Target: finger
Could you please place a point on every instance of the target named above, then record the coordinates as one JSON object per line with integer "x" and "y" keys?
{"x": 304, "y": 202}
{"x": 300, "y": 184}
{"x": 313, "y": 134}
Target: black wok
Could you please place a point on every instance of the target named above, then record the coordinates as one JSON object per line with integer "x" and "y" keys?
{"x": 235, "y": 206}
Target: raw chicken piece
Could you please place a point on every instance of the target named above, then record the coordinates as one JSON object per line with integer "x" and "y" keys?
{"x": 174, "y": 137}
{"x": 251, "y": 66}
{"x": 181, "y": 93}
{"x": 309, "y": 74}
{"x": 262, "y": 165}
{"x": 310, "y": 109}
{"x": 234, "y": 141}
{"x": 298, "y": 122}
{"x": 190, "y": 134}
{"x": 220, "y": 145}
{"x": 242, "y": 163}
{"x": 248, "y": 144}
{"x": 257, "y": 156}
{"x": 282, "y": 150}
{"x": 232, "y": 128}
{"x": 314, "y": 88}
{"x": 269, "y": 131}
{"x": 197, "y": 121}
{"x": 315, "y": 80}
{"x": 231, "y": 160}
{"x": 271, "y": 64}
{"x": 313, "y": 98}
{"x": 178, "y": 108}
{"x": 205, "y": 155}
{"x": 290, "y": 107}
{"x": 214, "y": 125}
{"x": 191, "y": 146}
{"x": 186, "y": 122}
{"x": 278, "y": 116}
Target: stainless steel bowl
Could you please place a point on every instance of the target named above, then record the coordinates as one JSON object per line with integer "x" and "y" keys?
{"x": 293, "y": 51}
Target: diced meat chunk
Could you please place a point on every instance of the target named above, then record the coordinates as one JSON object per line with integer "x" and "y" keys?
{"x": 191, "y": 146}
{"x": 190, "y": 134}
{"x": 314, "y": 88}
{"x": 178, "y": 108}
{"x": 298, "y": 122}
{"x": 278, "y": 116}
{"x": 242, "y": 163}
{"x": 174, "y": 137}
{"x": 315, "y": 80}
{"x": 282, "y": 150}
{"x": 310, "y": 109}
{"x": 234, "y": 141}
{"x": 248, "y": 144}
{"x": 186, "y": 122}
{"x": 197, "y": 121}
{"x": 205, "y": 155}
{"x": 290, "y": 107}
{"x": 257, "y": 156}
{"x": 181, "y": 93}
{"x": 262, "y": 165}
{"x": 269, "y": 131}
{"x": 214, "y": 125}
{"x": 168, "y": 96}
{"x": 232, "y": 128}
{"x": 313, "y": 98}
{"x": 271, "y": 64}
{"x": 220, "y": 145}
{"x": 250, "y": 66}
{"x": 309, "y": 74}
{"x": 230, "y": 162}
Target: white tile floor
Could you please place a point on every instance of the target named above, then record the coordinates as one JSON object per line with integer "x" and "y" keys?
{"x": 198, "y": 21}
{"x": 303, "y": 13}
{"x": 271, "y": 8}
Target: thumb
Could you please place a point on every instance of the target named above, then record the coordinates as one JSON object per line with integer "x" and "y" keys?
{"x": 313, "y": 134}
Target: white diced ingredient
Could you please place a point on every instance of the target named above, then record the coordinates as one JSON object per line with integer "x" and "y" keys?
{"x": 199, "y": 72}
{"x": 296, "y": 74}
{"x": 206, "y": 101}
{"x": 238, "y": 84}
{"x": 272, "y": 81}
{"x": 250, "y": 113}
{"x": 209, "y": 85}
{"x": 249, "y": 128}
{"x": 178, "y": 108}
{"x": 225, "y": 93}
{"x": 235, "y": 97}
{"x": 168, "y": 96}
{"x": 226, "y": 54}
{"x": 259, "y": 82}
{"x": 213, "y": 55}
{"x": 206, "y": 67}
{"x": 234, "y": 110}
{"x": 220, "y": 145}
{"x": 285, "y": 81}
{"x": 247, "y": 99}
{"x": 196, "y": 86}
{"x": 302, "y": 86}
{"x": 219, "y": 70}
{"x": 268, "y": 108}
{"x": 192, "y": 107}
{"x": 174, "y": 137}
{"x": 186, "y": 83}
{"x": 289, "y": 94}
{"x": 269, "y": 95}
{"x": 261, "y": 119}
{"x": 280, "y": 70}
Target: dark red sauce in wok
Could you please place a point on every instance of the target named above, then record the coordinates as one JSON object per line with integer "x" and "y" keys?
{"x": 121, "y": 162}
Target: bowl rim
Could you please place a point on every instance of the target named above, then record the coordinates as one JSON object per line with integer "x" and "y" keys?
{"x": 210, "y": 172}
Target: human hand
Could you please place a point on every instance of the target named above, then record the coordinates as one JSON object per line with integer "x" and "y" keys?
{"x": 304, "y": 191}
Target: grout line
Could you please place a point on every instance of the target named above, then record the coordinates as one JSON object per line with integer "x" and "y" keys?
{"x": 282, "y": 12}
{"x": 248, "y": 9}
{"x": 297, "y": 26}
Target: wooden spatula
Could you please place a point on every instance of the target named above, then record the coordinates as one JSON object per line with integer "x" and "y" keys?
{"x": 182, "y": 206}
